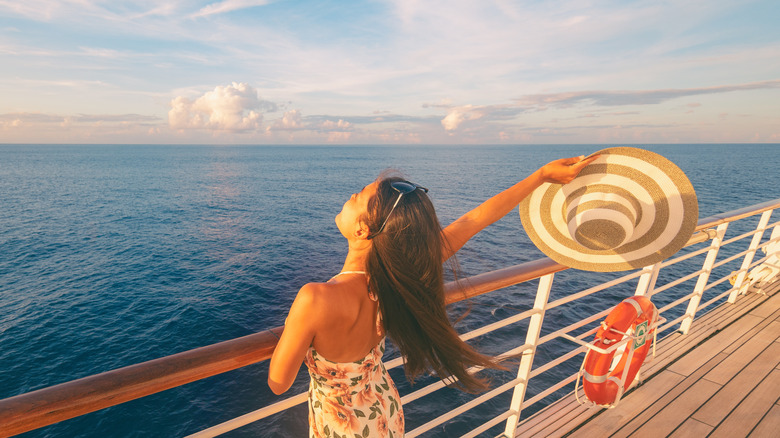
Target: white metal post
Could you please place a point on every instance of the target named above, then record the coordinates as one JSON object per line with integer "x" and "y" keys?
{"x": 531, "y": 338}
{"x": 644, "y": 287}
{"x": 760, "y": 228}
{"x": 774, "y": 247}
{"x": 698, "y": 290}
{"x": 647, "y": 280}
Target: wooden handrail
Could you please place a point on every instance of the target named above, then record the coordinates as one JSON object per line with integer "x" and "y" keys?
{"x": 78, "y": 397}
{"x": 489, "y": 281}
{"x": 50, "y": 405}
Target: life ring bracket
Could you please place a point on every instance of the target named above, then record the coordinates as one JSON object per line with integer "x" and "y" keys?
{"x": 627, "y": 338}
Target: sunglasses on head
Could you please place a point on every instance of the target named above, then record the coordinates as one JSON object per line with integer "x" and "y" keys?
{"x": 403, "y": 188}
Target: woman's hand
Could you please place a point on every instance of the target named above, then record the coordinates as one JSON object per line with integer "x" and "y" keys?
{"x": 564, "y": 170}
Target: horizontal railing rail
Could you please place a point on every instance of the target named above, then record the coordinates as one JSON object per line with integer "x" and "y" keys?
{"x": 46, "y": 406}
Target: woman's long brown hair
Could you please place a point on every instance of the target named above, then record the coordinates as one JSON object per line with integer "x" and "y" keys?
{"x": 405, "y": 270}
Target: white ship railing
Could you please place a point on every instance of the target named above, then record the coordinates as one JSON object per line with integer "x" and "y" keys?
{"x": 46, "y": 406}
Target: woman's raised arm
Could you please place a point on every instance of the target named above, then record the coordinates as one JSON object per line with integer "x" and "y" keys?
{"x": 459, "y": 232}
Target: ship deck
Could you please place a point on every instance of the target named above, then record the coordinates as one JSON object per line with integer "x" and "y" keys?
{"x": 720, "y": 380}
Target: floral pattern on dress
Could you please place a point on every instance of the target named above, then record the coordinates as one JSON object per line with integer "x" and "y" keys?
{"x": 353, "y": 400}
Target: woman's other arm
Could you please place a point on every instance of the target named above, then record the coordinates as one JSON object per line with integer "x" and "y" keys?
{"x": 459, "y": 232}
{"x": 298, "y": 334}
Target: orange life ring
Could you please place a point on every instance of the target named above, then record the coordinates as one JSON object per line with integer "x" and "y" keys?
{"x": 602, "y": 385}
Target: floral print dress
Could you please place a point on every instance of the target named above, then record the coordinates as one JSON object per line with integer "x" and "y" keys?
{"x": 353, "y": 400}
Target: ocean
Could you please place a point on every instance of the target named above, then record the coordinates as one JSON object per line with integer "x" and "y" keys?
{"x": 111, "y": 255}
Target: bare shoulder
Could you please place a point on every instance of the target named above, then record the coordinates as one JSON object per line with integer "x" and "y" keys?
{"x": 312, "y": 302}
{"x": 329, "y": 300}
{"x": 310, "y": 295}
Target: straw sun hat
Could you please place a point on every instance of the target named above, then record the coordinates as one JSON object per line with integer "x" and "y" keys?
{"x": 627, "y": 209}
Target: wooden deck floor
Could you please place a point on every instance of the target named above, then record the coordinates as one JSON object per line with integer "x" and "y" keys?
{"x": 728, "y": 386}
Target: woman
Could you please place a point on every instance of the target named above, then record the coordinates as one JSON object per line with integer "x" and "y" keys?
{"x": 391, "y": 282}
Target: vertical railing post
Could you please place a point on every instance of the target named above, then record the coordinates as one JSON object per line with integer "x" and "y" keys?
{"x": 774, "y": 247}
{"x": 531, "y": 338}
{"x": 645, "y": 288}
{"x": 647, "y": 280}
{"x": 704, "y": 277}
{"x": 743, "y": 270}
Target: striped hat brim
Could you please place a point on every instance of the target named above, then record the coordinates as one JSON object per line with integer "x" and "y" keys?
{"x": 627, "y": 209}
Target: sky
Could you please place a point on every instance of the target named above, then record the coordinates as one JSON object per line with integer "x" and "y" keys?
{"x": 389, "y": 72}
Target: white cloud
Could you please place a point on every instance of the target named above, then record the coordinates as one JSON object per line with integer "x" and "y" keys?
{"x": 338, "y": 132}
{"x": 456, "y": 116}
{"x": 291, "y": 121}
{"x": 228, "y": 108}
{"x": 9, "y": 124}
{"x": 41, "y": 10}
{"x": 228, "y": 6}
{"x": 341, "y": 125}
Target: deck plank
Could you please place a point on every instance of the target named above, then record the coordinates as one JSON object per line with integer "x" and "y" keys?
{"x": 691, "y": 428}
{"x": 738, "y": 387}
{"x": 578, "y": 415}
{"x": 667, "y": 398}
{"x": 691, "y": 362}
{"x": 769, "y": 312}
{"x": 541, "y": 420}
{"x": 644, "y": 396}
{"x": 752, "y": 409}
{"x": 744, "y": 354}
{"x": 678, "y": 411}
{"x": 769, "y": 425}
{"x": 568, "y": 412}
{"x": 677, "y": 345}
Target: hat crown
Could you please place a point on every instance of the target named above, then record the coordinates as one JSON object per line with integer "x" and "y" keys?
{"x": 600, "y": 220}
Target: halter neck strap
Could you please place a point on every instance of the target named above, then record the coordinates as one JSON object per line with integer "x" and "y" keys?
{"x": 349, "y": 272}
